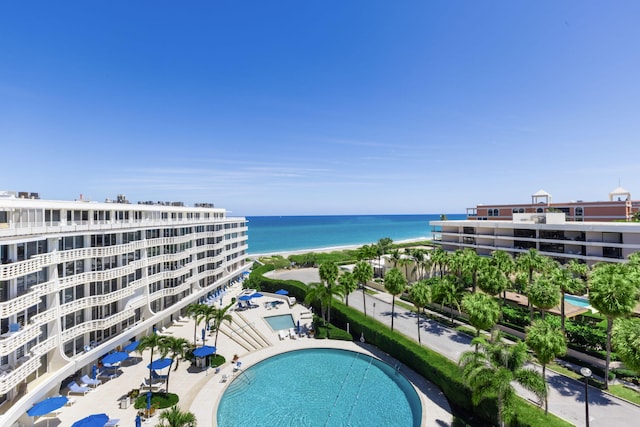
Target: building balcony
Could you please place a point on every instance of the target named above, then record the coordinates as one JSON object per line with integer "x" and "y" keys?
{"x": 96, "y": 325}
{"x": 11, "y": 341}
{"x": 10, "y": 379}
{"x": 18, "y": 304}
{"x": 95, "y": 301}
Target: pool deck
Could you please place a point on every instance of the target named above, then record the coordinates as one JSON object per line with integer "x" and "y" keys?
{"x": 252, "y": 339}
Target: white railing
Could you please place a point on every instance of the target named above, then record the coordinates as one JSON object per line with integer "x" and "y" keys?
{"x": 95, "y": 300}
{"x": 17, "y": 339}
{"x": 44, "y": 317}
{"x": 45, "y": 346}
{"x": 18, "y": 304}
{"x": 96, "y": 325}
{"x": 18, "y": 375}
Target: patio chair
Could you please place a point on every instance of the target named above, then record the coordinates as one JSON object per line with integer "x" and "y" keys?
{"x": 292, "y": 334}
{"x": 224, "y": 378}
{"x": 152, "y": 386}
{"x": 157, "y": 377}
{"x": 282, "y": 334}
{"x": 112, "y": 422}
{"x": 87, "y": 380}
{"x": 75, "y": 388}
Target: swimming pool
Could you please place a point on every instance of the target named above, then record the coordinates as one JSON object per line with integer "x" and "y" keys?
{"x": 283, "y": 321}
{"x": 320, "y": 387}
{"x": 577, "y": 301}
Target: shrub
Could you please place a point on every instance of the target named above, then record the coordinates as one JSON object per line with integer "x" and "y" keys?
{"x": 159, "y": 400}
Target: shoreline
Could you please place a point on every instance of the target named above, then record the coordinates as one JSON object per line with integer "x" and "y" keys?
{"x": 286, "y": 253}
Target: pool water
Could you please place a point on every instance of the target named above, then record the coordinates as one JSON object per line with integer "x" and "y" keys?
{"x": 320, "y": 387}
{"x": 577, "y": 301}
{"x": 283, "y": 321}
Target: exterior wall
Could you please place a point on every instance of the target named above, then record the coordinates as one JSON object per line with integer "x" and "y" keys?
{"x": 78, "y": 279}
{"x": 590, "y": 242}
{"x": 591, "y": 211}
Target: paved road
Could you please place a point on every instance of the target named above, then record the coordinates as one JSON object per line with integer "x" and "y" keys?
{"x": 566, "y": 395}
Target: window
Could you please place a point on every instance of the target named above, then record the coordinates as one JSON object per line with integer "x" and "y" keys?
{"x": 539, "y": 210}
{"x": 521, "y": 210}
{"x": 579, "y": 212}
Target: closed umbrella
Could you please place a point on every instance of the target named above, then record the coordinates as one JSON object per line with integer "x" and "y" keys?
{"x": 282, "y": 292}
{"x": 94, "y": 371}
{"x": 95, "y": 420}
{"x": 149, "y": 394}
{"x": 138, "y": 421}
{"x": 203, "y": 334}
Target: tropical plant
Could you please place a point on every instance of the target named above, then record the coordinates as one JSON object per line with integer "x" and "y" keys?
{"x": 197, "y": 311}
{"x": 448, "y": 291}
{"x": 568, "y": 279}
{"x": 177, "y": 348}
{"x": 395, "y": 256}
{"x": 394, "y": 283}
{"x": 421, "y": 262}
{"x": 491, "y": 369}
{"x": 473, "y": 264}
{"x": 382, "y": 247}
{"x": 626, "y": 340}
{"x": 348, "y": 282}
{"x": 219, "y": 316}
{"x": 614, "y": 293}
{"x": 329, "y": 274}
{"x": 530, "y": 262}
{"x": 482, "y": 309}
{"x": 174, "y": 417}
{"x": 544, "y": 294}
{"x": 151, "y": 342}
{"x": 363, "y": 272}
{"x": 547, "y": 342}
{"x": 420, "y": 294}
{"x": 318, "y": 292}
{"x": 505, "y": 263}
{"x": 492, "y": 281}
{"x": 439, "y": 258}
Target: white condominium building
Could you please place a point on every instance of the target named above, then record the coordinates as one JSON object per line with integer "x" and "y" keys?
{"x": 80, "y": 278}
{"x": 548, "y": 232}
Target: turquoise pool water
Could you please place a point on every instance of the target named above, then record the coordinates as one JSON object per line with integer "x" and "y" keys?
{"x": 577, "y": 301}
{"x": 320, "y": 387}
{"x": 283, "y": 321}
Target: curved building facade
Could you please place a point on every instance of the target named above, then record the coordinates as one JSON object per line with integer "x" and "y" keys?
{"x": 79, "y": 279}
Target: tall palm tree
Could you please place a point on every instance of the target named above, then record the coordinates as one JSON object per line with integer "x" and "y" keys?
{"x": 174, "y": 417}
{"x": 420, "y": 293}
{"x": 626, "y": 340}
{"x": 568, "y": 279}
{"x": 151, "y": 342}
{"x": 491, "y": 370}
{"x": 218, "y": 317}
{"x": 394, "y": 257}
{"x": 439, "y": 258}
{"x": 449, "y": 292}
{"x": 394, "y": 283}
{"x": 482, "y": 309}
{"x": 422, "y": 262}
{"x": 492, "y": 281}
{"x": 177, "y": 349}
{"x": 505, "y": 263}
{"x": 197, "y": 311}
{"x": 473, "y": 264}
{"x": 363, "y": 272}
{"x": 544, "y": 294}
{"x": 318, "y": 292}
{"x": 547, "y": 342}
{"x": 405, "y": 261}
{"x": 614, "y": 293}
{"x": 382, "y": 247}
{"x": 348, "y": 282}
{"x": 329, "y": 273}
{"x": 530, "y": 262}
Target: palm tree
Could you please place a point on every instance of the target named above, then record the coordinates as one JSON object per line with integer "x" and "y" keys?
{"x": 547, "y": 342}
{"x": 395, "y": 256}
{"x": 363, "y": 272}
{"x": 544, "y": 294}
{"x": 318, "y": 292}
{"x": 448, "y": 292}
{"x": 473, "y": 263}
{"x": 348, "y": 282}
{"x": 614, "y": 293}
{"x": 492, "y": 281}
{"x": 150, "y": 342}
{"x": 422, "y": 262}
{"x": 491, "y": 370}
{"x": 420, "y": 293}
{"x": 197, "y": 312}
{"x": 530, "y": 262}
{"x": 505, "y": 263}
{"x": 569, "y": 279}
{"x": 626, "y": 341}
{"x": 394, "y": 283}
{"x": 439, "y": 258}
{"x": 329, "y": 274}
{"x": 482, "y": 309}
{"x": 405, "y": 261}
{"x": 382, "y": 247}
{"x": 218, "y": 317}
{"x": 177, "y": 348}
{"x": 174, "y": 417}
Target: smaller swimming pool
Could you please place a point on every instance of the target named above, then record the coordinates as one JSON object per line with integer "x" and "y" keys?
{"x": 282, "y": 321}
{"x": 577, "y": 301}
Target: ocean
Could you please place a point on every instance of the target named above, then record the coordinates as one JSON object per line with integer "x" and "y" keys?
{"x": 270, "y": 234}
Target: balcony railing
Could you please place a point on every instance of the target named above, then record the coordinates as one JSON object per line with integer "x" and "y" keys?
{"x": 14, "y": 340}
{"x": 18, "y": 375}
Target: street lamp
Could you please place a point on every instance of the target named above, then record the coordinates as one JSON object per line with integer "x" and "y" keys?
{"x": 586, "y": 372}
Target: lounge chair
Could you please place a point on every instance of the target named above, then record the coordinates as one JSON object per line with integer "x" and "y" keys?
{"x": 237, "y": 366}
{"x": 108, "y": 374}
{"x": 87, "y": 380}
{"x": 157, "y": 377}
{"x": 75, "y": 388}
{"x": 292, "y": 334}
{"x": 112, "y": 422}
{"x": 224, "y": 378}
{"x": 153, "y": 385}
{"x": 282, "y": 334}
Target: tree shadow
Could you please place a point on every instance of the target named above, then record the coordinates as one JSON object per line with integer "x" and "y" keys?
{"x": 459, "y": 337}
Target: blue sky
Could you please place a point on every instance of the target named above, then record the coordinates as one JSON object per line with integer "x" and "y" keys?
{"x": 320, "y": 107}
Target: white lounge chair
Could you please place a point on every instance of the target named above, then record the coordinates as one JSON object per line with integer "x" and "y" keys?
{"x": 282, "y": 334}
{"x": 224, "y": 378}
{"x": 152, "y": 386}
{"x": 292, "y": 334}
{"x": 112, "y": 422}
{"x": 75, "y": 388}
{"x": 87, "y": 380}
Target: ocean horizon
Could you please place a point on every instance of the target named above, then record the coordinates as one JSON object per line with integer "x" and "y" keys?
{"x": 272, "y": 234}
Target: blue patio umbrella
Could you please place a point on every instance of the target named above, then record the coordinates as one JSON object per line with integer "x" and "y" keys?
{"x": 95, "y": 420}
{"x": 204, "y": 351}
{"x": 47, "y": 406}
{"x": 94, "y": 371}
{"x": 132, "y": 346}
{"x": 138, "y": 421}
{"x": 245, "y": 298}
{"x": 203, "y": 334}
{"x": 257, "y": 295}
{"x": 159, "y": 363}
{"x": 282, "y": 292}
{"x": 114, "y": 358}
